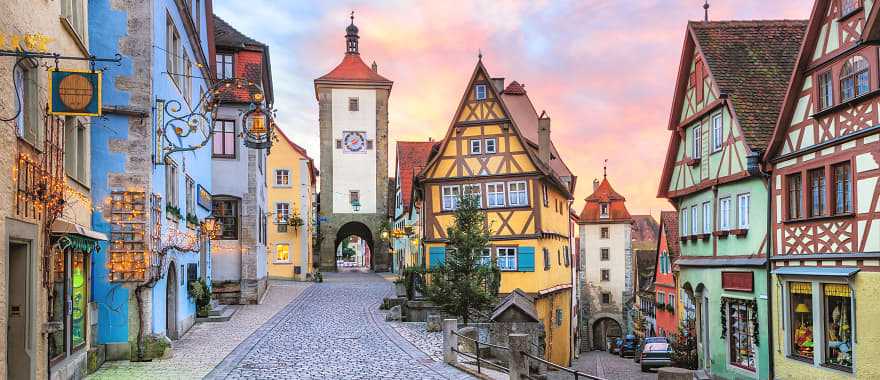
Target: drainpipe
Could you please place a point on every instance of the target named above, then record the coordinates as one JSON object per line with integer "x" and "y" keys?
{"x": 755, "y": 169}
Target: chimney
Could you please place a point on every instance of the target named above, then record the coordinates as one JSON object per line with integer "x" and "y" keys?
{"x": 595, "y": 184}
{"x": 375, "y": 67}
{"x": 544, "y": 138}
{"x": 498, "y": 83}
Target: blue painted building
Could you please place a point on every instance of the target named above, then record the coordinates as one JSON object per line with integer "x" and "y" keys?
{"x": 152, "y": 198}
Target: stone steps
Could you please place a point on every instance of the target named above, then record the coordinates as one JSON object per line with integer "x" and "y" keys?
{"x": 219, "y": 313}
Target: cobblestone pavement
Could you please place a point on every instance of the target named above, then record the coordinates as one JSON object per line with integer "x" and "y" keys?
{"x": 206, "y": 344}
{"x": 431, "y": 343}
{"x": 606, "y": 366}
{"x": 332, "y": 331}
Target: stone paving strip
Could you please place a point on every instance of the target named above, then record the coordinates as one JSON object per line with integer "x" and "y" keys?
{"x": 334, "y": 330}
{"x": 207, "y": 344}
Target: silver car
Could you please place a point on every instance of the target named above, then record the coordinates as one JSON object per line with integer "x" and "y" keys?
{"x": 656, "y": 355}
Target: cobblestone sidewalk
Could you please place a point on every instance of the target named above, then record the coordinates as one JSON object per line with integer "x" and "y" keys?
{"x": 206, "y": 344}
{"x": 606, "y": 366}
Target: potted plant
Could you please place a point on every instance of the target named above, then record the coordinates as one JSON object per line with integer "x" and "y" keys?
{"x": 198, "y": 290}
{"x": 295, "y": 221}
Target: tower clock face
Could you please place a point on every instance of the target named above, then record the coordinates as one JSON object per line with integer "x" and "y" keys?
{"x": 354, "y": 142}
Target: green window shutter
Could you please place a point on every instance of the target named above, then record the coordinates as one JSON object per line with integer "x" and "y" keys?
{"x": 525, "y": 259}
{"x": 437, "y": 256}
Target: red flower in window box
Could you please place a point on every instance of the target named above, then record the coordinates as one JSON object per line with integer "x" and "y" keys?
{"x": 722, "y": 234}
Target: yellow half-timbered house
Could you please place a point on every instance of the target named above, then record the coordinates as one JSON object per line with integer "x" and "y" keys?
{"x": 499, "y": 149}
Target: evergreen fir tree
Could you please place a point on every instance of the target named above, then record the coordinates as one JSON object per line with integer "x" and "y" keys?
{"x": 462, "y": 286}
{"x": 684, "y": 345}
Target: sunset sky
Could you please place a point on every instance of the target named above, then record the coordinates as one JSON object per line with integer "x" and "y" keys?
{"x": 603, "y": 69}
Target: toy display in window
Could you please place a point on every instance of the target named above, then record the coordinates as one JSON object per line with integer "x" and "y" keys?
{"x": 802, "y": 319}
{"x": 837, "y": 325}
{"x": 742, "y": 352}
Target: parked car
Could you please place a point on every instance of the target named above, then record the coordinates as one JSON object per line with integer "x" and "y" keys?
{"x": 637, "y": 355}
{"x": 656, "y": 355}
{"x": 629, "y": 345}
{"x": 614, "y": 345}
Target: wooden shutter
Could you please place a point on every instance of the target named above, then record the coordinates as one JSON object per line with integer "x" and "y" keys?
{"x": 437, "y": 256}
{"x": 338, "y": 144}
{"x": 369, "y": 144}
{"x": 525, "y": 259}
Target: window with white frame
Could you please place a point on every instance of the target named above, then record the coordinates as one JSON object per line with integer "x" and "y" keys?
{"x": 495, "y": 194}
{"x": 190, "y": 196}
{"x": 717, "y": 133}
{"x": 73, "y": 11}
{"x": 282, "y": 212}
{"x": 697, "y": 139}
{"x": 724, "y": 213}
{"x": 603, "y": 210}
{"x": 186, "y": 88}
{"x": 506, "y": 258}
{"x": 517, "y": 194}
{"x": 743, "y": 201}
{"x": 604, "y": 254}
{"x": 171, "y": 185}
{"x": 473, "y": 190}
{"x": 449, "y": 196}
{"x": 684, "y": 222}
{"x": 173, "y": 51}
{"x": 480, "y": 92}
{"x": 76, "y": 150}
{"x": 27, "y": 80}
{"x": 486, "y": 256}
{"x": 707, "y": 217}
{"x": 475, "y": 146}
{"x": 224, "y": 66}
{"x": 282, "y": 177}
{"x": 695, "y": 225}
{"x": 491, "y": 145}
{"x": 282, "y": 253}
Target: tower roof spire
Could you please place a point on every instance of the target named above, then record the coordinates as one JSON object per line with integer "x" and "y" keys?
{"x": 351, "y": 37}
{"x": 706, "y": 11}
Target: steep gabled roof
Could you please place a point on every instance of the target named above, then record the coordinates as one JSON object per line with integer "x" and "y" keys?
{"x": 412, "y": 156}
{"x": 227, "y": 36}
{"x": 604, "y": 193}
{"x": 525, "y": 115}
{"x": 669, "y": 224}
{"x": 752, "y": 62}
{"x": 313, "y": 171}
{"x": 870, "y": 33}
{"x": 644, "y": 232}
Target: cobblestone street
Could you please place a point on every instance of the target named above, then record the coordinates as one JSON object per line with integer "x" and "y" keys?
{"x": 206, "y": 344}
{"x": 606, "y": 366}
{"x": 332, "y": 331}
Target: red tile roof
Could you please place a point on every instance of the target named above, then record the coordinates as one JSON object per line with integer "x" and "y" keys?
{"x": 604, "y": 193}
{"x": 352, "y": 68}
{"x": 669, "y": 222}
{"x": 752, "y": 62}
{"x": 644, "y": 232}
{"x": 412, "y": 156}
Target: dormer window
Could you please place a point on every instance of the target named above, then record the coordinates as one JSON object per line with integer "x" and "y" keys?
{"x": 854, "y": 78}
{"x": 603, "y": 210}
{"x": 480, "y": 92}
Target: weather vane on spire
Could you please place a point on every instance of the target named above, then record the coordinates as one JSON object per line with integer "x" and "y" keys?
{"x": 605, "y": 169}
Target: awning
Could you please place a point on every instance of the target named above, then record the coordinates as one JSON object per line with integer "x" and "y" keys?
{"x": 76, "y": 236}
{"x": 816, "y": 271}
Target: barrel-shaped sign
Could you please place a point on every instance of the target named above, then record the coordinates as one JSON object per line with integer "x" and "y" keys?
{"x": 75, "y": 93}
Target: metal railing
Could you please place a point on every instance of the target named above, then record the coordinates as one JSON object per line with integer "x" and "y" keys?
{"x": 476, "y": 355}
{"x": 577, "y": 374}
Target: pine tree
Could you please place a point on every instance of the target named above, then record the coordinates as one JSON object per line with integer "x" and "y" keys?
{"x": 684, "y": 345}
{"x": 462, "y": 286}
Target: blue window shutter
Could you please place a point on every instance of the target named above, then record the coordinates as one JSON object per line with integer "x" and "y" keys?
{"x": 525, "y": 259}
{"x": 437, "y": 256}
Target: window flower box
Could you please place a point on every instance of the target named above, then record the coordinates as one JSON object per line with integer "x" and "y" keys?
{"x": 683, "y": 239}
{"x": 692, "y": 161}
{"x": 693, "y": 237}
{"x": 704, "y": 236}
{"x": 739, "y": 232}
{"x": 722, "y": 234}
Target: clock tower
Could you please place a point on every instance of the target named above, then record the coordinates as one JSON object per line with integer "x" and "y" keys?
{"x": 353, "y": 122}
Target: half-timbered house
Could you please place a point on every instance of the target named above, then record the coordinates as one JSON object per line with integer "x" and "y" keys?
{"x": 825, "y": 157}
{"x": 731, "y": 81}
{"x": 498, "y": 149}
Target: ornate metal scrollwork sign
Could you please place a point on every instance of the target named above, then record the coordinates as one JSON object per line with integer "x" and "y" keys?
{"x": 179, "y": 126}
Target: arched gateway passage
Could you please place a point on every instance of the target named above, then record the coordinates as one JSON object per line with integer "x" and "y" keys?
{"x": 362, "y": 232}
{"x": 605, "y": 330}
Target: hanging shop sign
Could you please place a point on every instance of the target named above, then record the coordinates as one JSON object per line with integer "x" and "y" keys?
{"x": 74, "y": 93}
{"x": 203, "y": 198}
